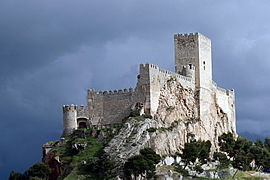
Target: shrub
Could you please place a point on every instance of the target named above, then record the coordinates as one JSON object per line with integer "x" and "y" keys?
{"x": 198, "y": 169}
{"x": 196, "y": 150}
{"x": 17, "y": 176}
{"x": 151, "y": 129}
{"x": 144, "y": 163}
{"x": 38, "y": 170}
{"x": 135, "y": 113}
{"x": 224, "y": 162}
{"x": 181, "y": 170}
{"x": 147, "y": 116}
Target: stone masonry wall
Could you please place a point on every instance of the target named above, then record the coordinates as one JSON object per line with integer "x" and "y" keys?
{"x": 158, "y": 78}
{"x": 105, "y": 108}
{"x": 225, "y": 99}
{"x": 111, "y": 107}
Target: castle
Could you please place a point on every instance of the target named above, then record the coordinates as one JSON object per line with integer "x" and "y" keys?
{"x": 193, "y": 72}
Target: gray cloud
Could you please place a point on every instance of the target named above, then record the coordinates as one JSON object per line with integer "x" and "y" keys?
{"x": 52, "y": 51}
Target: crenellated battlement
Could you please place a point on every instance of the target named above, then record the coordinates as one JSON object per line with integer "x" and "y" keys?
{"x": 165, "y": 73}
{"x": 110, "y": 92}
{"x": 72, "y": 107}
{"x": 186, "y": 36}
{"x": 82, "y": 112}
{"x": 223, "y": 91}
{"x": 81, "y": 107}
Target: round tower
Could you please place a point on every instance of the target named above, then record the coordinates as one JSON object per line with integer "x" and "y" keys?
{"x": 69, "y": 119}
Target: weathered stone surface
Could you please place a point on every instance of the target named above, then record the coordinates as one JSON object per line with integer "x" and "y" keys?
{"x": 174, "y": 120}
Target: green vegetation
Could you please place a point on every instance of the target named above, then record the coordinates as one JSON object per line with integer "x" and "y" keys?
{"x": 82, "y": 154}
{"x": 170, "y": 128}
{"x": 243, "y": 152}
{"x": 37, "y": 171}
{"x": 142, "y": 164}
{"x": 223, "y": 160}
{"x": 147, "y": 116}
{"x": 191, "y": 120}
{"x": 151, "y": 129}
{"x": 90, "y": 162}
{"x": 194, "y": 150}
{"x": 198, "y": 168}
{"x": 236, "y": 152}
{"x": 135, "y": 114}
{"x": 181, "y": 170}
{"x": 99, "y": 167}
{"x": 190, "y": 136}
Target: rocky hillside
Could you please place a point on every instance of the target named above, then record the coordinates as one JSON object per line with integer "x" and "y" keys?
{"x": 101, "y": 154}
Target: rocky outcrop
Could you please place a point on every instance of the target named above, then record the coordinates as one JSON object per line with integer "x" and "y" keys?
{"x": 209, "y": 171}
{"x": 175, "y": 121}
{"x": 54, "y": 164}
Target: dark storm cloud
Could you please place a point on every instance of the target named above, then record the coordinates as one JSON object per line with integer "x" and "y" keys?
{"x": 52, "y": 51}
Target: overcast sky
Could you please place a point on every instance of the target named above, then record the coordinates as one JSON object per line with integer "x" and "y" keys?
{"x": 51, "y": 52}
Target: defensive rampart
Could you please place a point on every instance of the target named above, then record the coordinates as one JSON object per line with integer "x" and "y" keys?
{"x": 157, "y": 77}
{"x": 225, "y": 99}
{"x": 109, "y": 107}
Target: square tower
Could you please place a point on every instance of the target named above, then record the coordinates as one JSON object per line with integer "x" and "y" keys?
{"x": 194, "y": 49}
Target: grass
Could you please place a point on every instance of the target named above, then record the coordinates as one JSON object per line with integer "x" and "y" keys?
{"x": 239, "y": 175}
{"x": 246, "y": 175}
{"x": 93, "y": 149}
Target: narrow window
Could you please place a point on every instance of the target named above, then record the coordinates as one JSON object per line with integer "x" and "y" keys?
{"x": 203, "y": 65}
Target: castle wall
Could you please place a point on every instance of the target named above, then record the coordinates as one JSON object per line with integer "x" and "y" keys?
{"x": 157, "y": 79}
{"x": 225, "y": 99}
{"x": 106, "y": 108}
{"x": 82, "y": 112}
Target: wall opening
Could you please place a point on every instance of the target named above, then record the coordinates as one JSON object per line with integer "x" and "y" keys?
{"x": 203, "y": 65}
{"x": 82, "y": 125}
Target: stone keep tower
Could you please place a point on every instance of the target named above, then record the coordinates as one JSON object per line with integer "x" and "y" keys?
{"x": 194, "y": 49}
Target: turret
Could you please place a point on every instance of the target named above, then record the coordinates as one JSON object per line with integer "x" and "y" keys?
{"x": 189, "y": 71}
{"x": 69, "y": 119}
